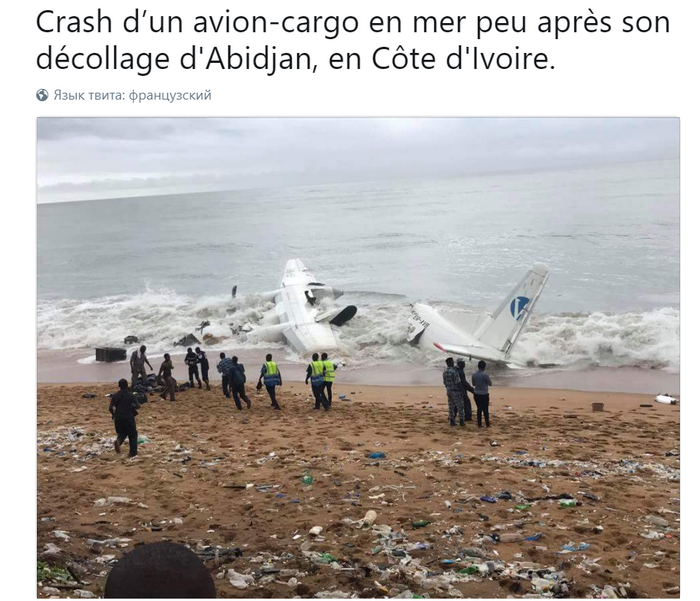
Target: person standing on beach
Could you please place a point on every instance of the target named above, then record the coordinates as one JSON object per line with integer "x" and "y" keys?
{"x": 123, "y": 409}
{"x": 193, "y": 372}
{"x": 467, "y": 388}
{"x": 328, "y": 376}
{"x": 237, "y": 383}
{"x": 224, "y": 368}
{"x": 314, "y": 371}
{"x": 166, "y": 373}
{"x": 270, "y": 374}
{"x": 481, "y": 382}
{"x": 203, "y": 365}
{"x": 138, "y": 359}
{"x": 455, "y": 392}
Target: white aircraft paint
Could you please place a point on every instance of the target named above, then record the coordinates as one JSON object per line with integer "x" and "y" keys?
{"x": 488, "y": 336}
{"x": 297, "y": 316}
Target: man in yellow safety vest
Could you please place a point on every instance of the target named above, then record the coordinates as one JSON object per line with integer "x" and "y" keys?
{"x": 328, "y": 376}
{"x": 272, "y": 377}
{"x": 314, "y": 371}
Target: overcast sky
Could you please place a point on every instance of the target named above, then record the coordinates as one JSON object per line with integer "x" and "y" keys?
{"x": 80, "y": 159}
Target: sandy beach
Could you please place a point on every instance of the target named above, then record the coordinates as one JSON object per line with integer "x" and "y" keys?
{"x": 229, "y": 485}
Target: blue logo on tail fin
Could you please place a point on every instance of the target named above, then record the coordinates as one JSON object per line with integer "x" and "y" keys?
{"x": 517, "y": 306}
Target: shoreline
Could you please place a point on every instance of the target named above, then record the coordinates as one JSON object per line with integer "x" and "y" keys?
{"x": 60, "y": 367}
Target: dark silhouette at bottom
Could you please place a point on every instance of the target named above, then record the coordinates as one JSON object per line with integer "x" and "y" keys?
{"x": 158, "y": 571}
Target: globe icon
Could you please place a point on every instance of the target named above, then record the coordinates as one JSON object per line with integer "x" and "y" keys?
{"x": 42, "y": 95}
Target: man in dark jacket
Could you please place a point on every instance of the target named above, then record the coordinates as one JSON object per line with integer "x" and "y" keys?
{"x": 467, "y": 388}
{"x": 203, "y": 365}
{"x": 191, "y": 360}
{"x": 165, "y": 375}
{"x": 224, "y": 368}
{"x": 237, "y": 383}
{"x": 123, "y": 409}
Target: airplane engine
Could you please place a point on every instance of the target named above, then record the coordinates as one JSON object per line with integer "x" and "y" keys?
{"x": 268, "y": 333}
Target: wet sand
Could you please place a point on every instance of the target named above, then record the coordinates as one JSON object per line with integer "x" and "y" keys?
{"x": 210, "y": 476}
{"x": 64, "y": 366}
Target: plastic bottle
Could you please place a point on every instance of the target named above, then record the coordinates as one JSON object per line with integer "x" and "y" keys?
{"x": 567, "y": 503}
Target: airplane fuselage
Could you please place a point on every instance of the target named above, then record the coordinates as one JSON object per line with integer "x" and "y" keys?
{"x": 298, "y": 315}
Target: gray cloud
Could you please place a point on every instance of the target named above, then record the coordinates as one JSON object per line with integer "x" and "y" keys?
{"x": 111, "y": 157}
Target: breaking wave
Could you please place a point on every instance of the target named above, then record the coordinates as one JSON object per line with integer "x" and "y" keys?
{"x": 647, "y": 339}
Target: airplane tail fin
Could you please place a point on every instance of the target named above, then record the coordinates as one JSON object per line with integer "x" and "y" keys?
{"x": 508, "y": 320}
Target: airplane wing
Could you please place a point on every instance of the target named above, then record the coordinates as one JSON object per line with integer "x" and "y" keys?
{"x": 296, "y": 274}
{"x": 311, "y": 337}
{"x": 473, "y": 352}
{"x": 296, "y": 309}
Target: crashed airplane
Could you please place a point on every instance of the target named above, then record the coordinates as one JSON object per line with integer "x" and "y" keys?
{"x": 298, "y": 316}
{"x": 488, "y": 336}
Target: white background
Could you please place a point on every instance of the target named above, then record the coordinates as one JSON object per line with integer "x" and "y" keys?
{"x": 610, "y": 74}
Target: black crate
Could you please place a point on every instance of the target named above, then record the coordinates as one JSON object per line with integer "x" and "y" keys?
{"x": 110, "y": 354}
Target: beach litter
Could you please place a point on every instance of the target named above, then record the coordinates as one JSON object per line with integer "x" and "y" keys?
{"x": 239, "y": 581}
{"x": 369, "y": 519}
{"x": 109, "y": 501}
{"x": 666, "y": 399}
{"x": 360, "y": 556}
{"x": 420, "y": 524}
{"x": 571, "y": 547}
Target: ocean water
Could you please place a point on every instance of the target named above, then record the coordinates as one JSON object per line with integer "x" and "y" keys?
{"x": 157, "y": 267}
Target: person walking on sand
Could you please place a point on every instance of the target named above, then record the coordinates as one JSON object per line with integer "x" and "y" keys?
{"x": 455, "y": 392}
{"x": 203, "y": 365}
{"x": 270, "y": 374}
{"x": 481, "y": 382}
{"x": 191, "y": 361}
{"x": 467, "y": 388}
{"x": 138, "y": 359}
{"x": 123, "y": 409}
{"x": 166, "y": 374}
{"x": 314, "y": 371}
{"x": 224, "y": 368}
{"x": 237, "y": 382}
{"x": 328, "y": 376}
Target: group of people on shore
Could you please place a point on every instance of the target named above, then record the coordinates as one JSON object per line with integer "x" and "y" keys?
{"x": 320, "y": 372}
{"x": 458, "y": 389}
{"x": 124, "y": 404}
